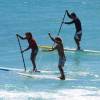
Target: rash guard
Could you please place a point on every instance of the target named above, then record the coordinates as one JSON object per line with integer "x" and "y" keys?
{"x": 32, "y": 44}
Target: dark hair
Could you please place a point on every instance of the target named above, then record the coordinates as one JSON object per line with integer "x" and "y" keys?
{"x": 73, "y": 14}
{"x": 58, "y": 39}
{"x": 28, "y": 34}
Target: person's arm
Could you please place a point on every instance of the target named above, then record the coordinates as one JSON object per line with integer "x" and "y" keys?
{"x": 69, "y": 17}
{"x": 68, "y": 14}
{"x": 51, "y": 37}
{"x": 53, "y": 48}
{"x": 69, "y": 22}
{"x": 23, "y": 38}
{"x": 25, "y": 49}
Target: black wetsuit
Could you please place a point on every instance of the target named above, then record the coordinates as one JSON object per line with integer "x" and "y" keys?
{"x": 78, "y": 28}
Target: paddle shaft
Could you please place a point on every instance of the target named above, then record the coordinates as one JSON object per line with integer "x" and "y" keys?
{"x": 21, "y": 52}
{"x": 61, "y": 23}
{"x": 60, "y": 26}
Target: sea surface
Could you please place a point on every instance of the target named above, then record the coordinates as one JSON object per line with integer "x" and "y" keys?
{"x": 40, "y": 17}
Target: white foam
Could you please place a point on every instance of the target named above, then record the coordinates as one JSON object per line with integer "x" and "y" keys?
{"x": 67, "y": 94}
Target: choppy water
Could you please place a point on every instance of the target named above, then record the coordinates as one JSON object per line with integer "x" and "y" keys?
{"x": 40, "y": 17}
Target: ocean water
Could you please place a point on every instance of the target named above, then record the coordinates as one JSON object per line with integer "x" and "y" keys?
{"x": 82, "y": 70}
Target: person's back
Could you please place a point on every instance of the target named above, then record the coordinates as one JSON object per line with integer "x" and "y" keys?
{"x": 77, "y": 24}
{"x": 75, "y": 20}
{"x": 60, "y": 50}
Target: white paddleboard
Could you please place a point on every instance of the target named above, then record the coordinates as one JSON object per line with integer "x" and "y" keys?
{"x": 11, "y": 69}
{"x": 28, "y": 71}
{"x": 41, "y": 76}
{"x": 84, "y": 51}
{"x": 38, "y": 76}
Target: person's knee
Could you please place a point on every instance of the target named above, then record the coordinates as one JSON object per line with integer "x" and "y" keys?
{"x": 31, "y": 58}
{"x": 60, "y": 68}
{"x": 76, "y": 40}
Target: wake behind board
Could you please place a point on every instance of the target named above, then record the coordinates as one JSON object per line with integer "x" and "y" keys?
{"x": 47, "y": 48}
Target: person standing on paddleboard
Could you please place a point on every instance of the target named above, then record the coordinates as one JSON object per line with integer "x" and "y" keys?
{"x": 76, "y": 21}
{"x": 59, "y": 47}
{"x": 33, "y": 46}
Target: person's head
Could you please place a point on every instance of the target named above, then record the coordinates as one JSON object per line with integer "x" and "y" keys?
{"x": 73, "y": 15}
{"x": 58, "y": 40}
{"x": 28, "y": 35}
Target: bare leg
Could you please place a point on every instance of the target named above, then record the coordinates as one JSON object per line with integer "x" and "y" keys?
{"x": 61, "y": 72}
{"x": 34, "y": 64}
{"x": 77, "y": 43}
{"x": 33, "y": 59}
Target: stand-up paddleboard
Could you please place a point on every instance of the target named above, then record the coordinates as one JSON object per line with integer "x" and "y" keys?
{"x": 47, "y": 48}
{"x": 38, "y": 76}
{"x": 84, "y": 51}
{"x": 11, "y": 69}
{"x": 44, "y": 76}
{"x": 29, "y": 71}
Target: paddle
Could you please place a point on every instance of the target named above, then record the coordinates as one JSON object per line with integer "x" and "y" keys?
{"x": 61, "y": 23}
{"x": 21, "y": 52}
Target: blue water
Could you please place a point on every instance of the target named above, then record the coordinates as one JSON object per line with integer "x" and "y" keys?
{"x": 40, "y": 17}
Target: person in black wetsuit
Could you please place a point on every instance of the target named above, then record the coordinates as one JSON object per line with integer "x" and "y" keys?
{"x": 76, "y": 21}
{"x": 33, "y": 46}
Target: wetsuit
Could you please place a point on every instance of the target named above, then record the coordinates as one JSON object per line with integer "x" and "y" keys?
{"x": 78, "y": 27}
{"x": 34, "y": 47}
{"x": 62, "y": 59}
